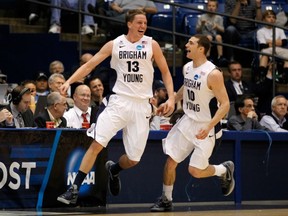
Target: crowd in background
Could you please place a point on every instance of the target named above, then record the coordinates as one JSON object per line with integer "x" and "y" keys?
{"x": 35, "y": 102}
{"x": 253, "y": 106}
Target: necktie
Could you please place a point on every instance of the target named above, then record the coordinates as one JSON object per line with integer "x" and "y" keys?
{"x": 20, "y": 121}
{"x": 84, "y": 116}
{"x": 241, "y": 88}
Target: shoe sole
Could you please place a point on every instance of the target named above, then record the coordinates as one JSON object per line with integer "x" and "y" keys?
{"x": 233, "y": 181}
{"x": 232, "y": 188}
{"x": 60, "y": 199}
{"x": 155, "y": 209}
{"x": 88, "y": 34}
{"x": 110, "y": 189}
{"x": 161, "y": 210}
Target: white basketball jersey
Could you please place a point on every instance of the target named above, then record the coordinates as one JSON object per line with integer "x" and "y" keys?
{"x": 134, "y": 67}
{"x": 199, "y": 102}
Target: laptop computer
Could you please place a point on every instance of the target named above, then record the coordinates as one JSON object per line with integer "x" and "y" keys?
{"x": 3, "y": 93}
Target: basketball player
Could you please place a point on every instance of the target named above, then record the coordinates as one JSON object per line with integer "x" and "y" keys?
{"x": 205, "y": 103}
{"x": 132, "y": 57}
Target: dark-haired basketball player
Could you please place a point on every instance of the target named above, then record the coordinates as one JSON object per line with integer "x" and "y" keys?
{"x": 205, "y": 103}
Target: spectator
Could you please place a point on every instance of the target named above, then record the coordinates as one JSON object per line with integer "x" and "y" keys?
{"x": 31, "y": 85}
{"x": 72, "y": 4}
{"x": 99, "y": 8}
{"x": 56, "y": 67}
{"x": 159, "y": 92}
{"x": 42, "y": 91}
{"x": 277, "y": 120}
{"x": 238, "y": 29}
{"x": 56, "y": 106}
{"x": 19, "y": 107}
{"x": 81, "y": 112}
{"x": 212, "y": 26}
{"x": 41, "y": 85}
{"x": 246, "y": 118}
{"x": 97, "y": 94}
{"x": 104, "y": 73}
{"x": 6, "y": 118}
{"x": 55, "y": 81}
{"x": 119, "y": 9}
{"x": 83, "y": 59}
{"x": 265, "y": 41}
{"x": 159, "y": 97}
{"x": 97, "y": 90}
{"x": 235, "y": 86}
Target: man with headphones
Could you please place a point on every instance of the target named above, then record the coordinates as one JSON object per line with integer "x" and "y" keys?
{"x": 20, "y": 98}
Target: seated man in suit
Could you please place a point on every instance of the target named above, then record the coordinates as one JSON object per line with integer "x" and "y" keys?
{"x": 56, "y": 106}
{"x": 81, "y": 113}
{"x": 246, "y": 118}
{"x": 277, "y": 120}
{"x": 236, "y": 86}
{"x": 19, "y": 107}
{"x": 97, "y": 91}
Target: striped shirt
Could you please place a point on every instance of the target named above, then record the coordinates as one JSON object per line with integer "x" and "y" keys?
{"x": 246, "y": 11}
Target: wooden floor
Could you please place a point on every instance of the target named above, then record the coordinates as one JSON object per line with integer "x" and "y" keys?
{"x": 263, "y": 208}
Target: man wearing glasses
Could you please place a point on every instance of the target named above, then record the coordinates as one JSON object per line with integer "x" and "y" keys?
{"x": 246, "y": 117}
{"x": 56, "y": 106}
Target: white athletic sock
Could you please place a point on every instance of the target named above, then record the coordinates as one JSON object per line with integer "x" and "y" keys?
{"x": 220, "y": 170}
{"x": 167, "y": 191}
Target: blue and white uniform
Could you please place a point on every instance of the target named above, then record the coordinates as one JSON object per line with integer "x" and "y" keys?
{"x": 199, "y": 105}
{"x": 129, "y": 108}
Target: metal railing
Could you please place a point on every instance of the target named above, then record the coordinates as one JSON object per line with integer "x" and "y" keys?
{"x": 274, "y": 26}
{"x": 175, "y": 7}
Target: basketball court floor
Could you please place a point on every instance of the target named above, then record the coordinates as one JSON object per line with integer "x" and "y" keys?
{"x": 262, "y": 208}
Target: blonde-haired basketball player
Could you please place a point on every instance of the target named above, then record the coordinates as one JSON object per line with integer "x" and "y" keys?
{"x": 132, "y": 57}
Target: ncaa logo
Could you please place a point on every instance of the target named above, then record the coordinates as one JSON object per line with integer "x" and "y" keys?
{"x": 72, "y": 166}
{"x": 139, "y": 47}
{"x": 196, "y": 76}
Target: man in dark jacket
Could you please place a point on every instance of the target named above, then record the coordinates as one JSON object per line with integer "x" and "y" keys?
{"x": 236, "y": 86}
{"x": 246, "y": 118}
{"x": 19, "y": 107}
{"x": 56, "y": 106}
